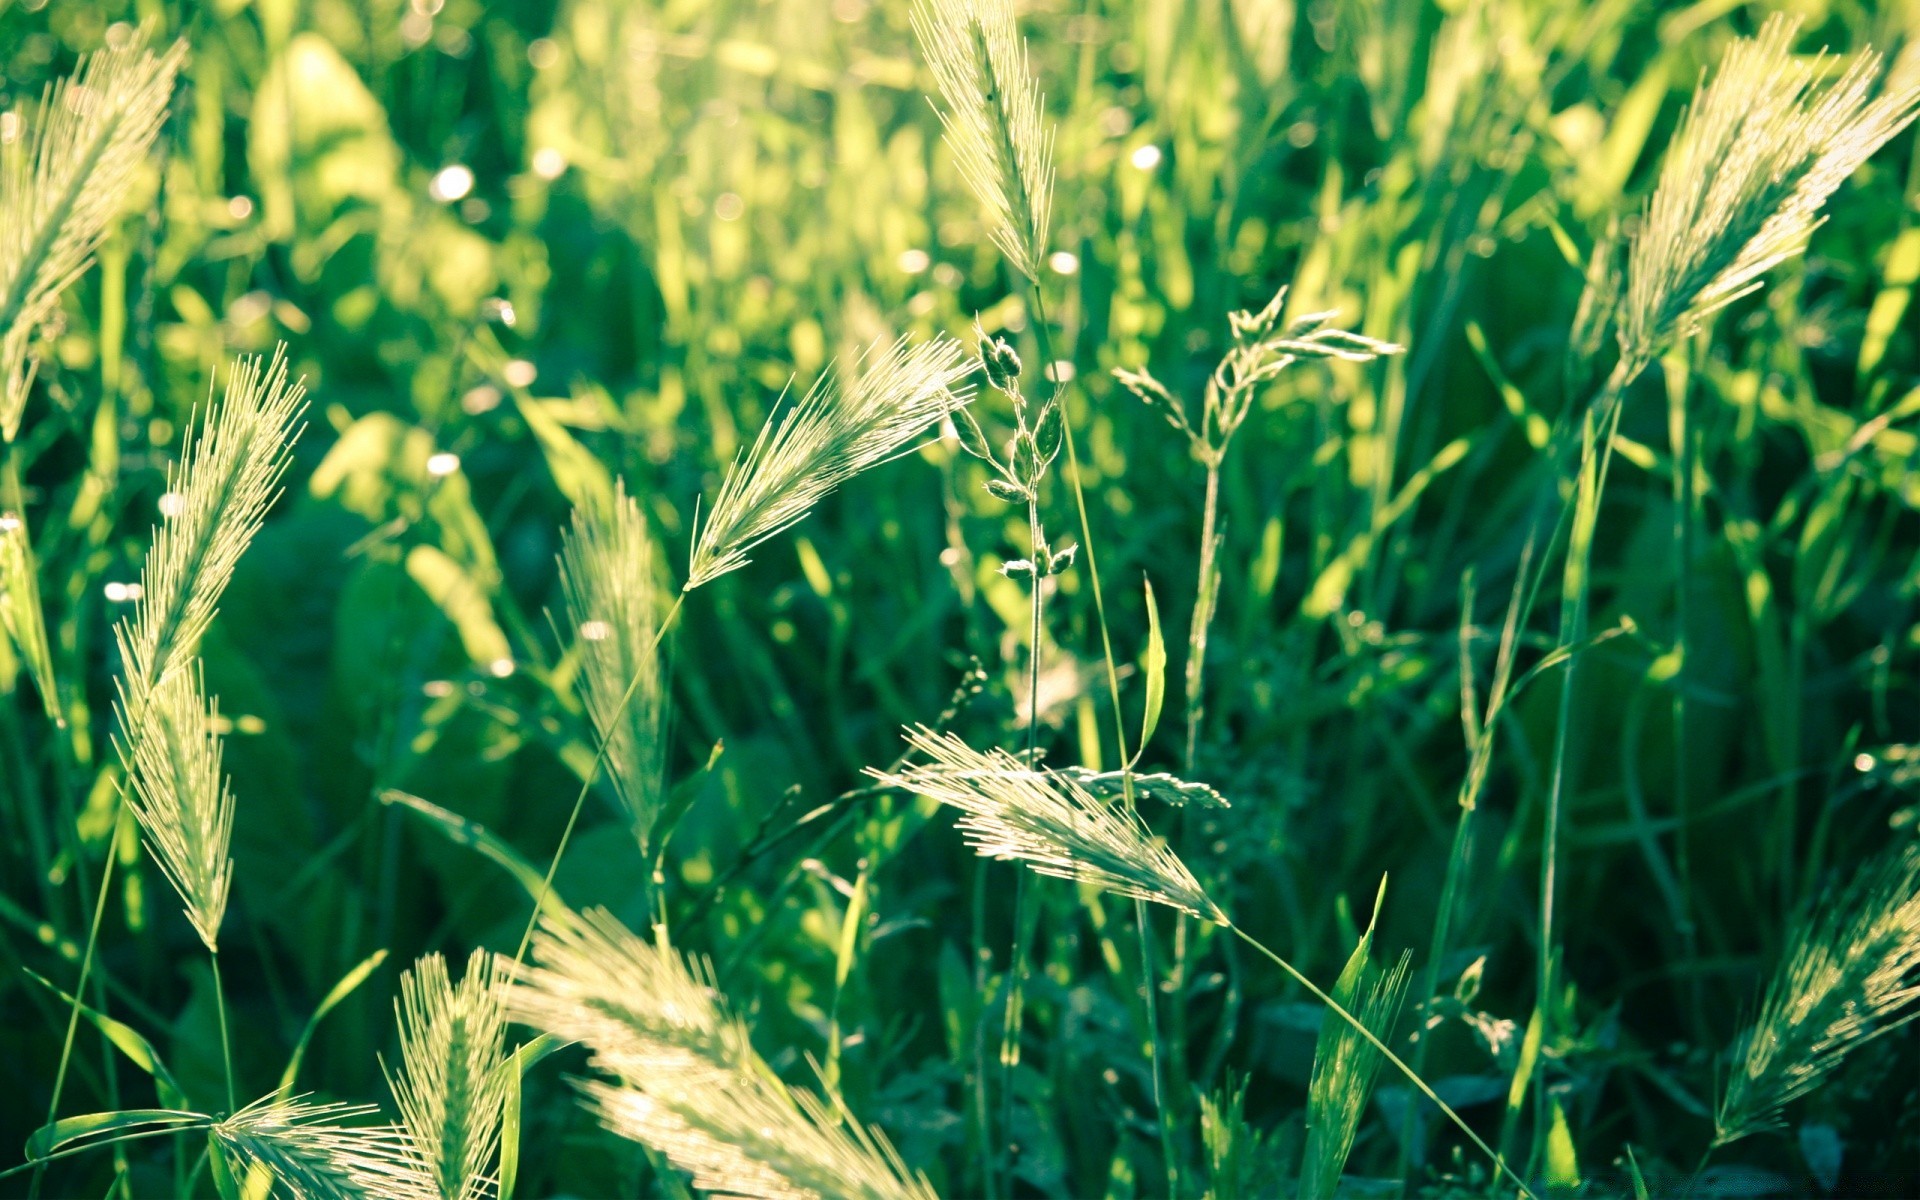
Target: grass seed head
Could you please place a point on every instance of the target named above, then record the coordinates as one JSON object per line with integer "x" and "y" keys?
{"x": 1049, "y": 821}
{"x": 847, "y": 422}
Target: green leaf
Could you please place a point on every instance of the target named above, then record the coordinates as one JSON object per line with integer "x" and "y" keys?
{"x": 463, "y": 832}
{"x": 348, "y": 982}
{"x": 464, "y": 601}
{"x": 1154, "y": 664}
{"x": 512, "y": 1070}
{"x": 138, "y": 1050}
{"x": 67, "y": 1130}
{"x": 1563, "y": 1166}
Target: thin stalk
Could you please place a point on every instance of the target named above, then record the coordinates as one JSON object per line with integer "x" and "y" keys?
{"x": 1603, "y": 419}
{"x": 1024, "y": 907}
{"x": 1203, "y": 602}
{"x": 1040, "y": 326}
{"x": 220, "y": 1007}
{"x": 80, "y": 988}
{"x": 1681, "y": 445}
{"x": 586, "y": 785}
{"x": 1368, "y": 1035}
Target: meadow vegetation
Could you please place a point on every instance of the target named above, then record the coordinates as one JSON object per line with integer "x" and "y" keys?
{"x": 910, "y": 598}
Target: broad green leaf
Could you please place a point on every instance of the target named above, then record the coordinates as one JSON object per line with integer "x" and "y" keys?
{"x": 348, "y": 982}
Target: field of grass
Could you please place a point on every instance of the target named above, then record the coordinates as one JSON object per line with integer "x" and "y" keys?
{"x": 904, "y": 598}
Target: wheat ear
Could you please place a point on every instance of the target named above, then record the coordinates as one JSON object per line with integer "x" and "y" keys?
{"x": 181, "y": 799}
{"x": 1757, "y": 154}
{"x": 451, "y": 1091}
{"x": 1851, "y": 973}
{"x": 839, "y": 428}
{"x": 216, "y": 499}
{"x": 687, "y": 1081}
{"x": 612, "y": 589}
{"x": 62, "y": 185}
{"x": 993, "y": 120}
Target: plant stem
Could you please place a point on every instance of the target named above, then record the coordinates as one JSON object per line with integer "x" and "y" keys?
{"x": 586, "y": 785}
{"x": 1024, "y": 901}
{"x": 1368, "y": 1035}
{"x": 1601, "y": 422}
{"x": 1203, "y": 602}
{"x": 1040, "y": 325}
{"x": 220, "y": 1007}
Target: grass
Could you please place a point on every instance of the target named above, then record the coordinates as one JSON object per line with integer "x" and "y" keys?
{"x": 418, "y": 417}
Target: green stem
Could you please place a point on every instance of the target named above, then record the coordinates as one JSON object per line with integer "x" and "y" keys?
{"x": 1368, "y": 1035}
{"x": 220, "y": 1007}
{"x": 1040, "y": 325}
{"x": 586, "y": 785}
{"x": 1602, "y": 420}
{"x": 80, "y": 988}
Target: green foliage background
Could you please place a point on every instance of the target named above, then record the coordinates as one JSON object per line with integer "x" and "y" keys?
{"x": 686, "y": 205}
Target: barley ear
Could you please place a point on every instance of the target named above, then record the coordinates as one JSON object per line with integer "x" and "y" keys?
{"x": 1851, "y": 973}
{"x": 993, "y": 120}
{"x": 611, "y": 584}
{"x": 1049, "y": 820}
{"x": 1756, "y": 156}
{"x": 63, "y": 183}
{"x": 850, "y": 420}
{"x": 450, "y": 1091}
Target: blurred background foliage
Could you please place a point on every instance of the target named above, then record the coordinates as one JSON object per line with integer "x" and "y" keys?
{"x": 520, "y": 249}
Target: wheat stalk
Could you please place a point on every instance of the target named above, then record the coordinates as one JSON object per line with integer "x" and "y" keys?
{"x": 993, "y": 120}
{"x": 451, "y": 1092}
{"x": 1851, "y": 973}
{"x": 612, "y": 590}
{"x": 1048, "y": 820}
{"x": 839, "y": 428}
{"x": 1757, "y": 154}
{"x": 181, "y": 799}
{"x": 62, "y": 185}
{"x": 688, "y": 1082}
{"x": 310, "y": 1155}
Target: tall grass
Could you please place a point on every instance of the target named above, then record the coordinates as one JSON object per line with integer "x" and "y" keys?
{"x": 582, "y": 291}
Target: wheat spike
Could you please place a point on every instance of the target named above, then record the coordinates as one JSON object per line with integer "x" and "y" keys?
{"x": 993, "y": 119}
{"x": 181, "y": 799}
{"x": 612, "y": 590}
{"x": 1048, "y": 820}
{"x": 688, "y": 1082}
{"x": 1757, "y": 154}
{"x": 839, "y": 428}
{"x": 1851, "y": 973}
{"x": 62, "y": 185}
{"x": 229, "y": 475}
{"x": 450, "y": 1090}
{"x": 310, "y": 1155}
